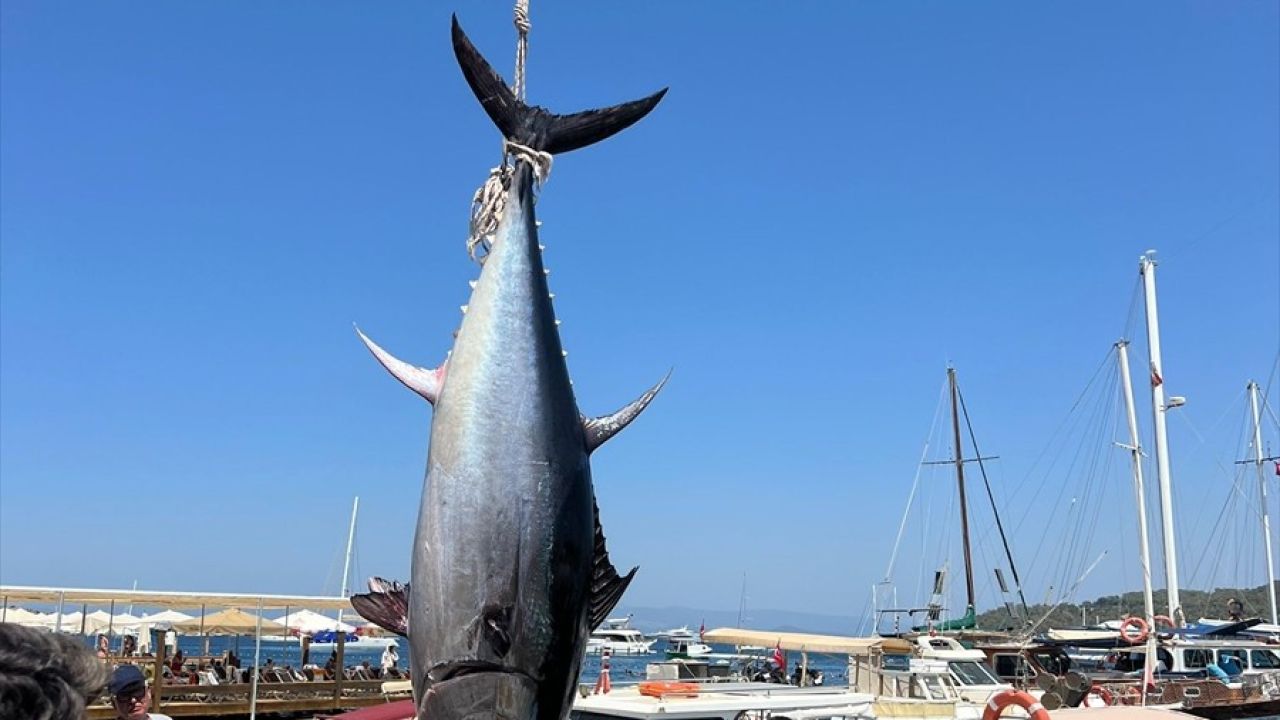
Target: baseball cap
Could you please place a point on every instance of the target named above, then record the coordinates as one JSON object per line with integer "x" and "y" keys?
{"x": 126, "y": 678}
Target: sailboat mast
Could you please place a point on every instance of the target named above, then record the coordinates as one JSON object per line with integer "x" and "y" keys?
{"x": 1147, "y": 268}
{"x": 1140, "y": 495}
{"x": 1262, "y": 492}
{"x": 346, "y": 562}
{"x": 964, "y": 505}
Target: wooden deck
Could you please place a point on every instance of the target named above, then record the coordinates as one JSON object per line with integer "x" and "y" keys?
{"x": 221, "y": 700}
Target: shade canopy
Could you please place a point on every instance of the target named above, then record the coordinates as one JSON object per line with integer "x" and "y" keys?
{"x": 232, "y": 621}
{"x": 148, "y": 598}
{"x": 806, "y": 642}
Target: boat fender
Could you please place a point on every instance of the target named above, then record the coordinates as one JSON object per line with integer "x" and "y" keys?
{"x": 1138, "y": 624}
{"x": 1001, "y": 700}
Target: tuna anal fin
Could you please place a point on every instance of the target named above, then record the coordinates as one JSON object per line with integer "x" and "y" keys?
{"x": 386, "y": 605}
{"x": 598, "y": 430}
{"x": 426, "y": 383}
{"x": 534, "y": 126}
{"x": 606, "y": 585}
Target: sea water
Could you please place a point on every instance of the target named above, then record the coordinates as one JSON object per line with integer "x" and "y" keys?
{"x": 623, "y": 669}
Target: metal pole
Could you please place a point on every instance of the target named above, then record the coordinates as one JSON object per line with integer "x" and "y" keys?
{"x": 257, "y": 658}
{"x": 1262, "y": 493}
{"x": 1147, "y": 268}
{"x": 346, "y": 563}
{"x": 62, "y": 599}
{"x": 964, "y": 508}
{"x": 1144, "y": 549}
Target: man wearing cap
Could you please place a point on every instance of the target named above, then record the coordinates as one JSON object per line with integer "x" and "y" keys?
{"x": 130, "y": 695}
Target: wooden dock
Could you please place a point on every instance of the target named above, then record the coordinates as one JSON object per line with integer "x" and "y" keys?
{"x": 223, "y": 700}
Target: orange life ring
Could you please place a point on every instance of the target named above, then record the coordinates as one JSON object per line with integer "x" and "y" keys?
{"x": 660, "y": 689}
{"x": 1001, "y": 700}
{"x": 1132, "y": 695}
{"x": 1165, "y": 619}
{"x": 1101, "y": 693}
{"x": 1135, "y": 622}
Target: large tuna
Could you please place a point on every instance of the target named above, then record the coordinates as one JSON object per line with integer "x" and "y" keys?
{"x": 509, "y": 570}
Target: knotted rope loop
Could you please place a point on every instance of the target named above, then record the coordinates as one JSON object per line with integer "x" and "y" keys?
{"x": 490, "y": 199}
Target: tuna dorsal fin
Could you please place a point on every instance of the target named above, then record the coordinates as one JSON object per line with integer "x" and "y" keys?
{"x": 532, "y": 125}
{"x": 386, "y": 605}
{"x": 426, "y": 383}
{"x": 606, "y": 585}
{"x": 598, "y": 430}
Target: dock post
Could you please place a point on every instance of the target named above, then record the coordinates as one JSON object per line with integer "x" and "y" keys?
{"x": 157, "y": 681}
{"x": 340, "y": 671}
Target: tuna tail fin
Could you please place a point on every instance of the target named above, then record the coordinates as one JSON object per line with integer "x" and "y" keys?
{"x": 386, "y": 605}
{"x": 606, "y": 585}
{"x": 534, "y": 126}
{"x": 426, "y": 383}
{"x": 598, "y": 430}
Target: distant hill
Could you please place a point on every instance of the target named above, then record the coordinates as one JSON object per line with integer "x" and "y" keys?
{"x": 1195, "y": 603}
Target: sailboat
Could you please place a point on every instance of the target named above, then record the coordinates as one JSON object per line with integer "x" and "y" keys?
{"x": 934, "y": 621}
{"x": 354, "y": 640}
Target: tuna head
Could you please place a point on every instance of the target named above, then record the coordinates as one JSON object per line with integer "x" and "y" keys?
{"x": 509, "y": 567}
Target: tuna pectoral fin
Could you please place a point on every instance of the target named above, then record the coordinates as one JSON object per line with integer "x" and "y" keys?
{"x": 606, "y": 585}
{"x": 426, "y": 383}
{"x": 534, "y": 126}
{"x": 386, "y": 605}
{"x": 598, "y": 430}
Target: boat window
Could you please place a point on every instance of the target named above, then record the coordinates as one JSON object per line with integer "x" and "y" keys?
{"x": 1011, "y": 666}
{"x": 1265, "y": 659}
{"x": 1240, "y": 655}
{"x": 933, "y": 687}
{"x": 1056, "y": 663}
{"x": 1196, "y": 658}
{"x": 968, "y": 672}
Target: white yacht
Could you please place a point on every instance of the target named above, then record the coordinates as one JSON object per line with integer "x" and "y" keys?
{"x": 686, "y": 648}
{"x": 618, "y": 638}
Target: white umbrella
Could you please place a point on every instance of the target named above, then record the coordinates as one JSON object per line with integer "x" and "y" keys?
{"x": 309, "y": 622}
{"x": 24, "y": 617}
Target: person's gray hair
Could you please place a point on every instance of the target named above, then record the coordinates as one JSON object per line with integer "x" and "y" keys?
{"x": 46, "y": 676}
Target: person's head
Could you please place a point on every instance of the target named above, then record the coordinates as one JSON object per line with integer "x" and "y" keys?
{"x": 130, "y": 696}
{"x": 45, "y": 676}
{"x": 102, "y": 641}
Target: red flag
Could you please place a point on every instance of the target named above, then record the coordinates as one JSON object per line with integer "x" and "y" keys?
{"x": 1278, "y": 467}
{"x": 1156, "y": 380}
{"x": 779, "y": 658}
{"x": 702, "y": 630}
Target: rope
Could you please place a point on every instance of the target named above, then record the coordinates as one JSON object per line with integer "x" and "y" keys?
{"x": 490, "y": 199}
{"x": 522, "y": 46}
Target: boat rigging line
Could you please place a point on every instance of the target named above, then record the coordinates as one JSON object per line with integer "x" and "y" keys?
{"x": 1004, "y": 539}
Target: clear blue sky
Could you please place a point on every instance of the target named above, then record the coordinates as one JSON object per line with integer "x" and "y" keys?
{"x": 833, "y": 202}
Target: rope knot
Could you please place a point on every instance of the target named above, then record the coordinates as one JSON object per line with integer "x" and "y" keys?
{"x": 522, "y": 17}
{"x": 490, "y": 199}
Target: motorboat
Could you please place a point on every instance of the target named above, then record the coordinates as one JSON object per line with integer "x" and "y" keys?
{"x": 687, "y": 648}
{"x": 681, "y": 633}
{"x": 619, "y": 638}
